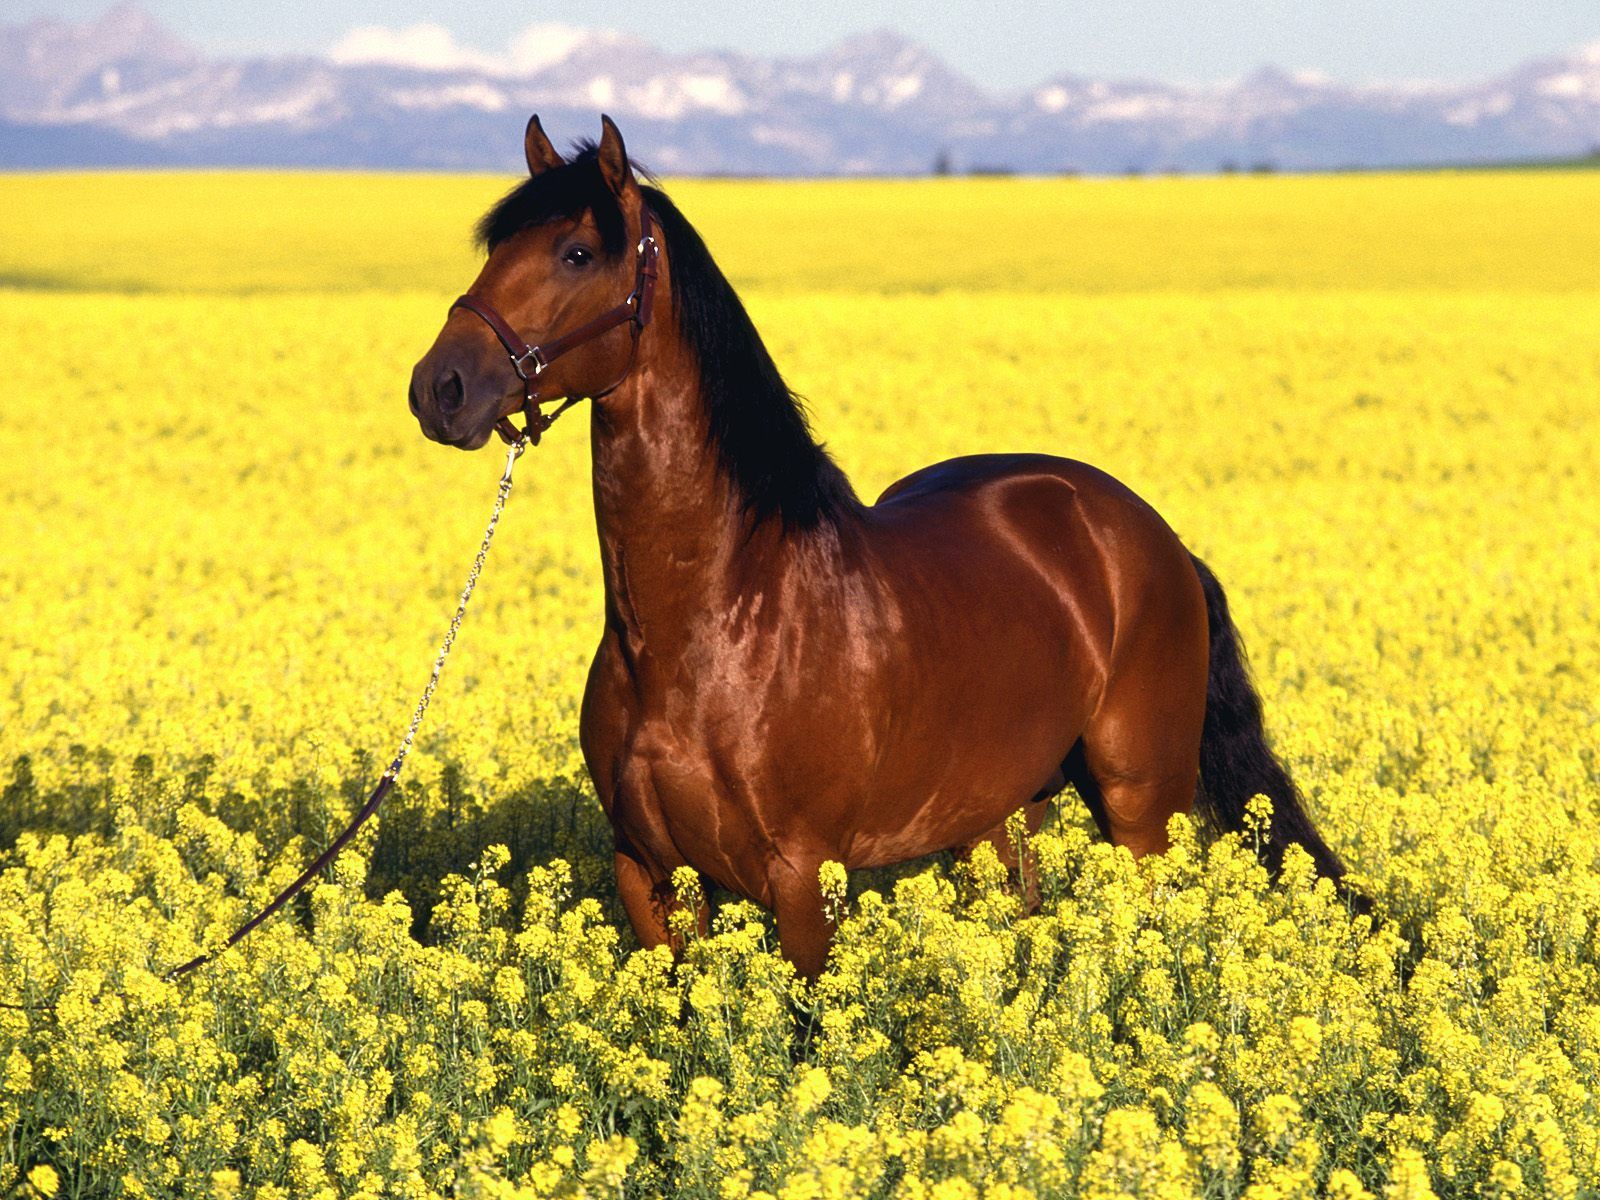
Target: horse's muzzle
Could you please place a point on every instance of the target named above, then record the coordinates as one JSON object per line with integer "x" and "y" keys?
{"x": 439, "y": 400}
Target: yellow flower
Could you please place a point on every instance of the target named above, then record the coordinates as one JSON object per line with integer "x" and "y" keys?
{"x": 500, "y": 1131}
{"x": 1305, "y": 1040}
{"x": 1408, "y": 1177}
{"x": 509, "y": 987}
{"x": 810, "y": 1090}
{"x": 1506, "y": 1178}
{"x": 1278, "y": 1117}
{"x": 1344, "y": 1185}
{"x": 1212, "y": 1127}
{"x": 835, "y": 884}
{"x": 609, "y": 1162}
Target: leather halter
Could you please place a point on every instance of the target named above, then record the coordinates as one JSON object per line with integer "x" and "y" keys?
{"x": 529, "y": 361}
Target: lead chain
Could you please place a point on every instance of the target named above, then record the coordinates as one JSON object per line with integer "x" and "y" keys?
{"x": 514, "y": 453}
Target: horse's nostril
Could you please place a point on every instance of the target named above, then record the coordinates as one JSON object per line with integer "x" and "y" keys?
{"x": 449, "y": 392}
{"x": 416, "y": 408}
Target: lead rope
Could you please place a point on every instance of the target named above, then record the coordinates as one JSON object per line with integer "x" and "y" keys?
{"x": 393, "y": 773}
{"x": 389, "y": 776}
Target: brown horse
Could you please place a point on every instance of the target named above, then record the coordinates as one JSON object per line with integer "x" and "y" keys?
{"x": 788, "y": 675}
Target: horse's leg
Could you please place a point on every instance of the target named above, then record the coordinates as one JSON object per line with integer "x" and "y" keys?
{"x": 1024, "y": 867}
{"x": 1137, "y": 809}
{"x": 650, "y": 900}
{"x": 804, "y": 929}
{"x": 645, "y": 899}
{"x": 1140, "y": 771}
{"x": 1139, "y": 760}
{"x": 1076, "y": 772}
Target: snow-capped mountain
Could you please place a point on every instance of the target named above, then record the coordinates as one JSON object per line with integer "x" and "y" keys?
{"x": 124, "y": 90}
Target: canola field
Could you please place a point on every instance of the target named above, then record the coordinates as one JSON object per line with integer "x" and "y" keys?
{"x": 1372, "y": 403}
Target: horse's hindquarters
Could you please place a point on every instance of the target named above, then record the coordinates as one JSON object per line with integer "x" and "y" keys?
{"x": 1042, "y": 602}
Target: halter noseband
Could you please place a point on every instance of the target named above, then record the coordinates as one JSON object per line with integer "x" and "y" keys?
{"x": 529, "y": 361}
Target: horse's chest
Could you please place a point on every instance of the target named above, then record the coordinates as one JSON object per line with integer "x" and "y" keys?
{"x": 675, "y": 800}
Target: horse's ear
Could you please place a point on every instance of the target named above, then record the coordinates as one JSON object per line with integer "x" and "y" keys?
{"x": 536, "y": 145}
{"x": 614, "y": 158}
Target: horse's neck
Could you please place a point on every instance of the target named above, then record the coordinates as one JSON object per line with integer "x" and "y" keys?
{"x": 670, "y": 524}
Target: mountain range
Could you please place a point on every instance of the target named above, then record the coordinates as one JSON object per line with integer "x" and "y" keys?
{"x": 123, "y": 90}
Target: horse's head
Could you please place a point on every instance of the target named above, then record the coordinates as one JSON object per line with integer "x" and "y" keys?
{"x": 568, "y": 279}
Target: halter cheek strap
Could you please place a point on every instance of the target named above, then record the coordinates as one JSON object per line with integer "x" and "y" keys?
{"x": 530, "y": 361}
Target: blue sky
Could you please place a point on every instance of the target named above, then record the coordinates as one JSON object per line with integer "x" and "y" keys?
{"x": 1002, "y": 44}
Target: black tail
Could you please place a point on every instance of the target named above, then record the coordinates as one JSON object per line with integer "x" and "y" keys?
{"x": 1235, "y": 761}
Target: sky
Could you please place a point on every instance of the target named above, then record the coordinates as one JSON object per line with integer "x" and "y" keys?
{"x": 1001, "y": 44}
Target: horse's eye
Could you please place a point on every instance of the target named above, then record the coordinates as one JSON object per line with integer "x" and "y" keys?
{"x": 578, "y": 256}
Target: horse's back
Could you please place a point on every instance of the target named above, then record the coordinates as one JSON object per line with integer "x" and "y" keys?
{"x": 1054, "y": 498}
{"x": 974, "y": 473}
{"x": 1060, "y": 539}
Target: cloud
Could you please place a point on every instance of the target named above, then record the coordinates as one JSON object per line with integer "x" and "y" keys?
{"x": 430, "y": 47}
{"x": 543, "y": 45}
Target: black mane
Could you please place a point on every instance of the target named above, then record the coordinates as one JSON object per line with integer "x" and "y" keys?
{"x": 758, "y": 427}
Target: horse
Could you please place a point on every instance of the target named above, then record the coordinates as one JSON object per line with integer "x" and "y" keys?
{"x": 787, "y": 675}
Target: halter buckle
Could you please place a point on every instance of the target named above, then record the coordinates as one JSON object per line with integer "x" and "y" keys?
{"x": 539, "y": 364}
